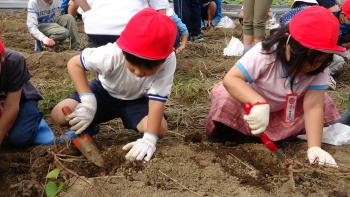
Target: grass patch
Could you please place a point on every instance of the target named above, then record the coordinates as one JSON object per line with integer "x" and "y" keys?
{"x": 192, "y": 90}
{"x": 53, "y": 92}
{"x": 340, "y": 97}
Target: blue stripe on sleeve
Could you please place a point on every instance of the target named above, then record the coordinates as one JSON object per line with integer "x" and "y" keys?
{"x": 318, "y": 87}
{"x": 244, "y": 71}
{"x": 32, "y": 11}
{"x": 157, "y": 98}
{"x": 82, "y": 62}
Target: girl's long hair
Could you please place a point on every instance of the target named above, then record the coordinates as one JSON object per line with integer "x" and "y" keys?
{"x": 299, "y": 53}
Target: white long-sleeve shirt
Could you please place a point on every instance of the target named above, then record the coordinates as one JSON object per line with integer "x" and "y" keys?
{"x": 109, "y": 17}
{"x": 40, "y": 12}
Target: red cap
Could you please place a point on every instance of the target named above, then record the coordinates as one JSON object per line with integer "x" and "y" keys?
{"x": 2, "y": 47}
{"x": 345, "y": 8}
{"x": 149, "y": 35}
{"x": 316, "y": 28}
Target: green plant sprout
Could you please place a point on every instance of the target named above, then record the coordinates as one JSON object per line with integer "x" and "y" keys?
{"x": 51, "y": 188}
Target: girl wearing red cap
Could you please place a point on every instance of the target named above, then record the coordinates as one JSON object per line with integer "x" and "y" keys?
{"x": 284, "y": 78}
{"x": 21, "y": 123}
{"x": 135, "y": 76}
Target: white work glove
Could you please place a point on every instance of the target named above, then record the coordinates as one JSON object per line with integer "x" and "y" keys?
{"x": 84, "y": 113}
{"x": 48, "y": 41}
{"x": 258, "y": 118}
{"x": 317, "y": 155}
{"x": 142, "y": 148}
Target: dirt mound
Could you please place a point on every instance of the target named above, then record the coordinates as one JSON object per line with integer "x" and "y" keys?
{"x": 50, "y": 65}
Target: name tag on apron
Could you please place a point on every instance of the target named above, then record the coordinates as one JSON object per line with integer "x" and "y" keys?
{"x": 290, "y": 107}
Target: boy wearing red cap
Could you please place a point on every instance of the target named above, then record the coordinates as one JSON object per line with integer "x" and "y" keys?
{"x": 135, "y": 76}
{"x": 21, "y": 123}
{"x": 284, "y": 78}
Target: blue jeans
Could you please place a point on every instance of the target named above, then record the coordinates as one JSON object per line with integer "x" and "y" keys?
{"x": 26, "y": 125}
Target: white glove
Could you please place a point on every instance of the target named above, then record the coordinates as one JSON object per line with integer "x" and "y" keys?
{"x": 142, "y": 148}
{"x": 317, "y": 155}
{"x": 48, "y": 41}
{"x": 258, "y": 118}
{"x": 84, "y": 113}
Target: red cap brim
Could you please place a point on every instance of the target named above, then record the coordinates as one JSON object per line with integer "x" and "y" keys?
{"x": 2, "y": 47}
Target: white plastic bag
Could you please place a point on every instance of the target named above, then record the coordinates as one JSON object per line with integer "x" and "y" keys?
{"x": 234, "y": 48}
{"x": 226, "y": 22}
{"x": 336, "y": 134}
{"x": 337, "y": 65}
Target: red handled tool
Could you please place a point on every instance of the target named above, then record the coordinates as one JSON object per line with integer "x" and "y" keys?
{"x": 266, "y": 140}
{"x": 85, "y": 144}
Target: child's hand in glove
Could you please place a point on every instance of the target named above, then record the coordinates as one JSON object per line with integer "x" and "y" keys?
{"x": 258, "y": 118}
{"x": 142, "y": 148}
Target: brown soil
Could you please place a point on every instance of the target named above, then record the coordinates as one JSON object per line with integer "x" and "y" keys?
{"x": 186, "y": 162}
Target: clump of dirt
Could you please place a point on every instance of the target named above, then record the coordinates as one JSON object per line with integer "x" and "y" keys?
{"x": 26, "y": 188}
{"x": 194, "y": 137}
{"x": 23, "y": 171}
{"x": 251, "y": 163}
{"x": 113, "y": 158}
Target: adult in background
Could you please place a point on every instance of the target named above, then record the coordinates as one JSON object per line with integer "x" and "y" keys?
{"x": 255, "y": 13}
{"x": 211, "y": 12}
{"x": 182, "y": 31}
{"x": 106, "y": 19}
{"x": 47, "y": 25}
{"x": 189, "y": 12}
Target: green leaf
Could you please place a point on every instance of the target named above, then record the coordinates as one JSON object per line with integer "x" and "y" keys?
{"x": 60, "y": 187}
{"x": 51, "y": 189}
{"x": 53, "y": 174}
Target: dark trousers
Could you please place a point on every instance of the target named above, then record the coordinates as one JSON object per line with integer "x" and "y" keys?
{"x": 100, "y": 40}
{"x": 190, "y": 13}
{"x": 25, "y": 127}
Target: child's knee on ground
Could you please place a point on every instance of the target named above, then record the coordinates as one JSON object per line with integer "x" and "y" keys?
{"x": 142, "y": 126}
{"x": 57, "y": 115}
